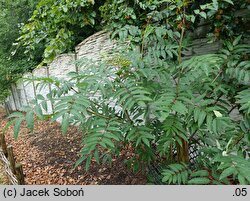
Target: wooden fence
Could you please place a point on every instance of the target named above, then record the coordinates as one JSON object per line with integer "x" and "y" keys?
{"x": 13, "y": 170}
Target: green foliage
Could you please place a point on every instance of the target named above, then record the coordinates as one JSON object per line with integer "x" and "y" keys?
{"x": 176, "y": 174}
{"x": 223, "y": 24}
{"x": 244, "y": 100}
{"x": 57, "y": 26}
{"x": 235, "y": 166}
{"x": 181, "y": 174}
{"x": 13, "y": 13}
{"x": 156, "y": 102}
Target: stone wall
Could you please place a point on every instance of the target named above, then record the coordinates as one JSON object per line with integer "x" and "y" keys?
{"x": 93, "y": 48}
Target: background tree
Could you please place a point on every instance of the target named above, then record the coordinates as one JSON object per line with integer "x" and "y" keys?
{"x": 13, "y": 14}
{"x": 57, "y": 26}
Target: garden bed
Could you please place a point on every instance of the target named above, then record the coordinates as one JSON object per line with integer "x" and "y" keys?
{"x": 48, "y": 157}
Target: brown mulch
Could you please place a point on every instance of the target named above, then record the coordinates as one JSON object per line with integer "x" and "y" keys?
{"x": 48, "y": 157}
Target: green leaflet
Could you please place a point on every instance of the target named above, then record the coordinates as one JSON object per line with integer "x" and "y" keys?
{"x": 65, "y": 123}
{"x": 38, "y": 112}
{"x": 30, "y": 119}
{"x": 199, "y": 181}
{"x": 200, "y": 173}
{"x": 179, "y": 107}
{"x": 17, "y": 127}
{"x": 227, "y": 172}
{"x": 176, "y": 173}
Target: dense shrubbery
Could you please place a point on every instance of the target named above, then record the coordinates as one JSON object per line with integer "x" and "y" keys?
{"x": 57, "y": 26}
{"x": 158, "y": 103}
{"x": 13, "y": 13}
